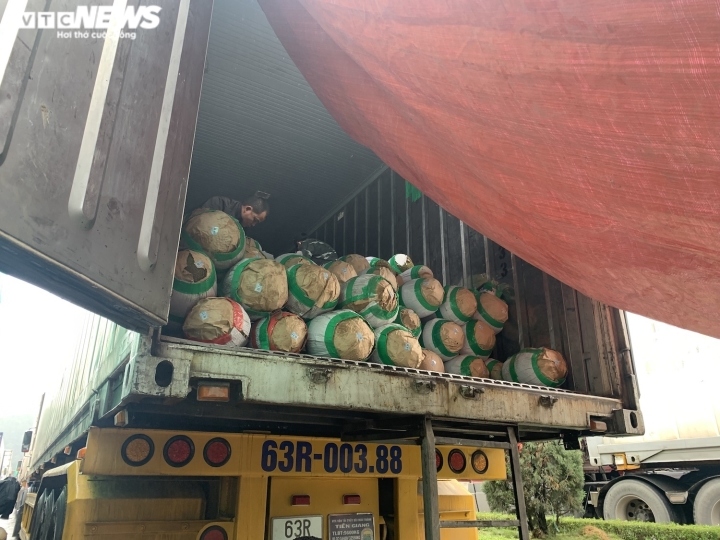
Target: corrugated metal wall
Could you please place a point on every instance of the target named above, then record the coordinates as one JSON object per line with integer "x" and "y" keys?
{"x": 389, "y": 216}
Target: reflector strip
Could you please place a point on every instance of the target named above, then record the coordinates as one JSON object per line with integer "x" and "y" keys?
{"x": 179, "y": 451}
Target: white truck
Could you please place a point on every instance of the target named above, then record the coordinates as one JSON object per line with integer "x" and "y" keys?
{"x": 672, "y": 473}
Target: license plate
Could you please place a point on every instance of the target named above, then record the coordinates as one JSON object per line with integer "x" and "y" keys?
{"x": 293, "y": 528}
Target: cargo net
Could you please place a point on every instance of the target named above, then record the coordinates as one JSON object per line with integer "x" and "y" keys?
{"x": 383, "y": 314}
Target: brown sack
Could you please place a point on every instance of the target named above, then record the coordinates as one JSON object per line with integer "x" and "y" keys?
{"x": 358, "y": 262}
{"x": 431, "y": 362}
{"x": 343, "y": 271}
{"x": 346, "y": 340}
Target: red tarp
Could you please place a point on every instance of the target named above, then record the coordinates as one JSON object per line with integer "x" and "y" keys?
{"x": 583, "y": 135}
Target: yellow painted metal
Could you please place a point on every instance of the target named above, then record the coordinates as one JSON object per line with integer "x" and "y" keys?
{"x": 456, "y": 503}
{"x": 326, "y": 497}
{"x": 407, "y": 518}
{"x": 265, "y": 455}
{"x": 251, "y": 508}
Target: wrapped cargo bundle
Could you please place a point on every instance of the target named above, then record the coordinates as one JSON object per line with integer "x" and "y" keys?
{"x": 542, "y": 367}
{"x": 358, "y": 262}
{"x": 372, "y": 297}
{"x": 340, "y": 334}
{"x": 194, "y": 279}
{"x": 218, "y": 320}
{"x": 479, "y": 338}
{"x": 431, "y": 362}
{"x": 259, "y": 285}
{"x": 495, "y": 368}
{"x": 400, "y": 262}
{"x": 291, "y": 259}
{"x": 459, "y": 304}
{"x": 312, "y": 290}
{"x": 410, "y": 320}
{"x": 423, "y": 296}
{"x": 491, "y": 309}
{"x": 443, "y": 337}
{"x": 216, "y": 234}
{"x": 385, "y": 272}
{"x": 281, "y": 331}
{"x": 343, "y": 271}
{"x": 468, "y": 365}
{"x": 253, "y": 249}
{"x": 396, "y": 346}
{"x": 419, "y": 271}
{"x": 375, "y": 261}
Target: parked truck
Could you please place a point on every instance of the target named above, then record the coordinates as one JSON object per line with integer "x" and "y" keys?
{"x": 154, "y": 436}
{"x": 672, "y": 473}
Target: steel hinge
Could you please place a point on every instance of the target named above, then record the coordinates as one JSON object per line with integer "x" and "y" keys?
{"x": 548, "y": 401}
{"x": 424, "y": 387}
{"x": 319, "y": 375}
{"x": 470, "y": 392}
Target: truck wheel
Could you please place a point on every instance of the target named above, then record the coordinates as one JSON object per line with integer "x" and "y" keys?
{"x": 706, "y": 508}
{"x": 634, "y": 500}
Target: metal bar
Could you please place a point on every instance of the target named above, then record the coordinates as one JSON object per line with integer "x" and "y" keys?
{"x": 431, "y": 509}
{"x": 334, "y": 227}
{"x": 464, "y": 240}
{"x": 407, "y": 224}
{"x": 424, "y": 229}
{"x": 379, "y": 217}
{"x": 478, "y": 524}
{"x": 518, "y": 490}
{"x": 452, "y": 441}
{"x": 489, "y": 266}
{"x": 443, "y": 248}
{"x": 367, "y": 215}
{"x": 392, "y": 211}
{"x": 355, "y": 214}
{"x": 345, "y": 242}
{"x": 550, "y": 318}
{"x": 519, "y": 304}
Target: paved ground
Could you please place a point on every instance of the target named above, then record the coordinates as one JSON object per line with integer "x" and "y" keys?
{"x": 8, "y": 524}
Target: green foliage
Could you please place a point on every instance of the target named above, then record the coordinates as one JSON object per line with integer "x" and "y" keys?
{"x": 553, "y": 481}
{"x": 579, "y": 529}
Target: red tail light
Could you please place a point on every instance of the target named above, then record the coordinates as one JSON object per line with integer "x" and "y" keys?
{"x": 456, "y": 461}
{"x": 214, "y": 533}
{"x": 351, "y": 499}
{"x": 438, "y": 460}
{"x": 217, "y": 452}
{"x": 179, "y": 451}
{"x": 300, "y": 500}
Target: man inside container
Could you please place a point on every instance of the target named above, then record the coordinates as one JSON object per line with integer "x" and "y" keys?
{"x": 249, "y": 212}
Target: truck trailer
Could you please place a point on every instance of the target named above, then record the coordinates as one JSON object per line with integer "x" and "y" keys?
{"x": 106, "y": 145}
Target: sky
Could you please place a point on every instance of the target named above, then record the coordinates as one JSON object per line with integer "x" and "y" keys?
{"x": 677, "y": 369}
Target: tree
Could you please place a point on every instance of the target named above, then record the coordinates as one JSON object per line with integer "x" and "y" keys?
{"x": 553, "y": 481}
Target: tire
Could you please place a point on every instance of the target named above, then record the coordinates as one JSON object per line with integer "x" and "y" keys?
{"x": 635, "y": 500}
{"x": 706, "y": 508}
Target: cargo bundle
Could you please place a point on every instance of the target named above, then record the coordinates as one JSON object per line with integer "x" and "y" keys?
{"x": 343, "y": 271}
{"x": 431, "y": 362}
{"x": 340, "y": 334}
{"x": 495, "y": 368}
{"x": 372, "y": 297}
{"x": 375, "y": 262}
{"x": 396, "y": 346}
{"x": 479, "y": 338}
{"x": 358, "y": 262}
{"x": 215, "y": 233}
{"x": 259, "y": 285}
{"x": 459, "y": 305}
{"x": 385, "y": 272}
{"x": 291, "y": 259}
{"x": 468, "y": 365}
{"x": 400, "y": 262}
{"x": 313, "y": 290}
{"x": 410, "y": 320}
{"x": 253, "y": 249}
{"x": 281, "y": 331}
{"x": 194, "y": 279}
{"x": 218, "y": 320}
{"x": 443, "y": 337}
{"x": 419, "y": 271}
{"x": 424, "y": 296}
{"x": 542, "y": 367}
{"x": 492, "y": 309}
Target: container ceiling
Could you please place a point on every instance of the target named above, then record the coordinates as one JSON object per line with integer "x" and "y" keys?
{"x": 261, "y": 127}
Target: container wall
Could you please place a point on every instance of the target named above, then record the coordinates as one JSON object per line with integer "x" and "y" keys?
{"x": 101, "y": 348}
{"x": 390, "y": 216}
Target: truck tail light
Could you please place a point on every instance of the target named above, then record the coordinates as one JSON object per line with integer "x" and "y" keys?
{"x": 179, "y": 451}
{"x": 456, "y": 461}
{"x": 438, "y": 460}
{"x": 217, "y": 452}
{"x": 351, "y": 499}
{"x": 300, "y": 500}
{"x": 137, "y": 450}
{"x": 479, "y": 462}
{"x": 214, "y": 533}
{"x": 213, "y": 392}
{"x": 81, "y": 453}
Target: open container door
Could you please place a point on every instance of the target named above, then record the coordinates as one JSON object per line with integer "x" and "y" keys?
{"x": 96, "y": 136}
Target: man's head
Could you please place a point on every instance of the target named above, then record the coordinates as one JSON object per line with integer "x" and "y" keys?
{"x": 255, "y": 209}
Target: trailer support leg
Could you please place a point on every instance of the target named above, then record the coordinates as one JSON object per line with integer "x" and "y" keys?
{"x": 431, "y": 509}
{"x": 518, "y": 489}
